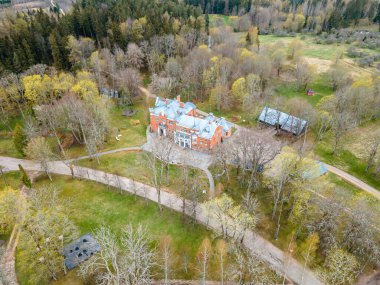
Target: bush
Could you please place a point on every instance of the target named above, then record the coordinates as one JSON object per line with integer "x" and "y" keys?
{"x": 20, "y": 140}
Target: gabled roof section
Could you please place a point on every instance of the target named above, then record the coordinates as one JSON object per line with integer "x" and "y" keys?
{"x": 172, "y": 109}
{"x": 226, "y": 125}
{"x": 203, "y": 128}
{"x": 80, "y": 250}
{"x": 285, "y": 121}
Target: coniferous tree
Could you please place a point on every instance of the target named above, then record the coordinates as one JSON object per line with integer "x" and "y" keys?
{"x": 24, "y": 177}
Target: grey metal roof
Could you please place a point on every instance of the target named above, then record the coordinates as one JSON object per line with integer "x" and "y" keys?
{"x": 171, "y": 108}
{"x": 80, "y": 250}
{"x": 285, "y": 121}
{"x": 203, "y": 128}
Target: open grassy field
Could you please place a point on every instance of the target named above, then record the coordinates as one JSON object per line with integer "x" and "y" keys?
{"x": 92, "y": 205}
{"x": 134, "y": 165}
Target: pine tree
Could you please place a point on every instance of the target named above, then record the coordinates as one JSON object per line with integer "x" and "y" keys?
{"x": 248, "y": 39}
{"x": 377, "y": 17}
{"x": 20, "y": 140}
{"x": 24, "y": 177}
{"x": 207, "y": 24}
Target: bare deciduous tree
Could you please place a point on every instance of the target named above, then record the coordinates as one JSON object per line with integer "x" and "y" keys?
{"x": 123, "y": 260}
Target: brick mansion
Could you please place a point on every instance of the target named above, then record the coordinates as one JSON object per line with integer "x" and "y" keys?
{"x": 181, "y": 120}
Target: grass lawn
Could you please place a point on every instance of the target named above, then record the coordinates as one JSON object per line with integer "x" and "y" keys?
{"x": 321, "y": 86}
{"x": 11, "y": 179}
{"x": 7, "y": 147}
{"x": 346, "y": 161}
{"x": 93, "y": 204}
{"x": 311, "y": 48}
{"x": 134, "y": 165}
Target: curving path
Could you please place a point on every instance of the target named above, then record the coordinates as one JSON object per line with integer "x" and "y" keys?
{"x": 279, "y": 260}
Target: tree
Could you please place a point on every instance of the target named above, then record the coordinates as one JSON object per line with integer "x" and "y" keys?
{"x": 44, "y": 233}
{"x": 204, "y": 255}
{"x": 39, "y": 149}
{"x": 13, "y": 208}
{"x": 134, "y": 56}
{"x": 221, "y": 249}
{"x": 377, "y": 17}
{"x": 372, "y": 150}
{"x": 158, "y": 163}
{"x": 38, "y": 89}
{"x": 80, "y": 50}
{"x": 239, "y": 90}
{"x": 20, "y": 139}
{"x": 233, "y": 220}
{"x": 304, "y": 73}
{"x": 295, "y": 49}
{"x": 166, "y": 256}
{"x": 278, "y": 59}
{"x": 308, "y": 250}
{"x": 340, "y": 267}
{"x": 24, "y": 177}
{"x": 128, "y": 81}
{"x": 127, "y": 259}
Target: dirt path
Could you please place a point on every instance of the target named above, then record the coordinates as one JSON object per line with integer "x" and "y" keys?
{"x": 278, "y": 259}
{"x": 354, "y": 181}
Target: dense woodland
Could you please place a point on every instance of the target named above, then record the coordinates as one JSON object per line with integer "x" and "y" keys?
{"x": 27, "y": 39}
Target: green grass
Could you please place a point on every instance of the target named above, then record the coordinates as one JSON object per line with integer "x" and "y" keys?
{"x": 321, "y": 87}
{"x": 93, "y": 204}
{"x": 348, "y": 162}
{"x": 11, "y": 179}
{"x": 215, "y": 19}
{"x": 7, "y": 147}
{"x": 134, "y": 165}
{"x": 311, "y": 48}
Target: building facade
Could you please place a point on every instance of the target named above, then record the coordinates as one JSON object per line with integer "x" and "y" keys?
{"x": 171, "y": 117}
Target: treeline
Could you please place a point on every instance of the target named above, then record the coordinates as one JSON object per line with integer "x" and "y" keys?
{"x": 27, "y": 39}
{"x": 318, "y": 15}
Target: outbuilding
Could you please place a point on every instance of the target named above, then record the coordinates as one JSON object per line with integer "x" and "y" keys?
{"x": 283, "y": 121}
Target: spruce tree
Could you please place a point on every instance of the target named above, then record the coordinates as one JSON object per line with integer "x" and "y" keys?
{"x": 24, "y": 177}
{"x": 377, "y": 17}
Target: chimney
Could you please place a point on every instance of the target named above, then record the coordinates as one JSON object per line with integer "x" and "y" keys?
{"x": 179, "y": 98}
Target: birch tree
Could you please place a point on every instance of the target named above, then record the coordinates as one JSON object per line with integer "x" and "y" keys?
{"x": 39, "y": 149}
{"x": 166, "y": 257}
{"x": 158, "y": 162}
{"x": 204, "y": 255}
{"x": 125, "y": 259}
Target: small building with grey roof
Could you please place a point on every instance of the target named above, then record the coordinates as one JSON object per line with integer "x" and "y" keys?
{"x": 283, "y": 121}
{"x": 80, "y": 250}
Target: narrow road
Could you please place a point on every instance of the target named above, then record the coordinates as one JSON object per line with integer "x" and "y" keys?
{"x": 133, "y": 148}
{"x": 279, "y": 260}
{"x": 353, "y": 180}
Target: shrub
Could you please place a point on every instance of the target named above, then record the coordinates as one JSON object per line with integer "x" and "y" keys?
{"x": 20, "y": 140}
